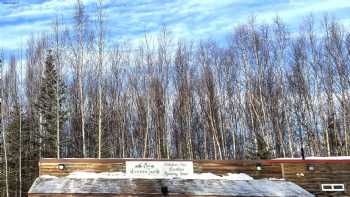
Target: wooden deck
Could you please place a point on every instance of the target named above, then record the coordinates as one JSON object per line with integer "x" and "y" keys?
{"x": 297, "y": 171}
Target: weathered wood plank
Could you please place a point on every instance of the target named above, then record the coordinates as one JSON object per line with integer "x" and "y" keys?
{"x": 325, "y": 171}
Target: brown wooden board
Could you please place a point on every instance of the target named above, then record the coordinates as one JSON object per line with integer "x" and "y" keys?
{"x": 326, "y": 171}
{"x": 323, "y": 174}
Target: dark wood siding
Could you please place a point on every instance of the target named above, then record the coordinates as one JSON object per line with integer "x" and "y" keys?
{"x": 326, "y": 171}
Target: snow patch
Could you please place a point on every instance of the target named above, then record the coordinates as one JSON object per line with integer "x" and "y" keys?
{"x": 92, "y": 175}
{"x": 275, "y": 179}
{"x": 48, "y": 177}
{"x": 240, "y": 176}
{"x": 122, "y": 175}
{"x": 317, "y": 158}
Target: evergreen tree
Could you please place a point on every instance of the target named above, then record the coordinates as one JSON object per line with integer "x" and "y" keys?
{"x": 13, "y": 136}
{"x": 258, "y": 149}
{"x": 51, "y": 87}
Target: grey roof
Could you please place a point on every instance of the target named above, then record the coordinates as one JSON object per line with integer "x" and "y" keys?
{"x": 66, "y": 185}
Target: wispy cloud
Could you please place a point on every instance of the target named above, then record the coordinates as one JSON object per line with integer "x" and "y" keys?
{"x": 191, "y": 19}
{"x": 296, "y": 9}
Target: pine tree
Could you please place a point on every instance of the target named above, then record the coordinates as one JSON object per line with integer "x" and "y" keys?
{"x": 258, "y": 149}
{"x": 29, "y": 158}
{"x": 51, "y": 87}
{"x": 12, "y": 135}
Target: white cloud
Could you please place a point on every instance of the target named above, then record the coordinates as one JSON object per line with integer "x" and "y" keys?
{"x": 300, "y": 8}
{"x": 185, "y": 18}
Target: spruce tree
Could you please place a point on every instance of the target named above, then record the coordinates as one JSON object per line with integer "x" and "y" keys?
{"x": 258, "y": 149}
{"x": 48, "y": 106}
{"x": 13, "y": 136}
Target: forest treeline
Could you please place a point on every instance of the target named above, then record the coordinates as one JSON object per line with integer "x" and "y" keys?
{"x": 266, "y": 92}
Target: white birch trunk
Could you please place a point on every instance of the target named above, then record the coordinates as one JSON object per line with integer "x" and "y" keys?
{"x": 58, "y": 113}
{"x": 100, "y": 64}
{"x": 20, "y": 134}
{"x": 40, "y": 136}
{"x": 82, "y": 103}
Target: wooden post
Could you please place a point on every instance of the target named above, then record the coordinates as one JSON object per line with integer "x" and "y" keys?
{"x": 282, "y": 170}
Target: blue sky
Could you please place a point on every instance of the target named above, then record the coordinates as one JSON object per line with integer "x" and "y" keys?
{"x": 190, "y": 19}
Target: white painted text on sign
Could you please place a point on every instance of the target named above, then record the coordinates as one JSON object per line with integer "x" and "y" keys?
{"x": 159, "y": 169}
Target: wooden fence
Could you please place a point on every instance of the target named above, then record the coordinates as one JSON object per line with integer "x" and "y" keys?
{"x": 309, "y": 174}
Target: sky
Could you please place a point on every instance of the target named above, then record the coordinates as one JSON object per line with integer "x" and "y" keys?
{"x": 190, "y": 19}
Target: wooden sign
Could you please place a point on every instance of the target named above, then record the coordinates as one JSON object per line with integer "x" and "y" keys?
{"x": 159, "y": 169}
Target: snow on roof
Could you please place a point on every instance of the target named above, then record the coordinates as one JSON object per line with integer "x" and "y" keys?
{"x": 214, "y": 187}
{"x": 317, "y": 158}
{"x": 48, "y": 177}
{"x": 122, "y": 175}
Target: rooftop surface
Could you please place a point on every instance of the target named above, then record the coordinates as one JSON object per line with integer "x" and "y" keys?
{"x": 191, "y": 187}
